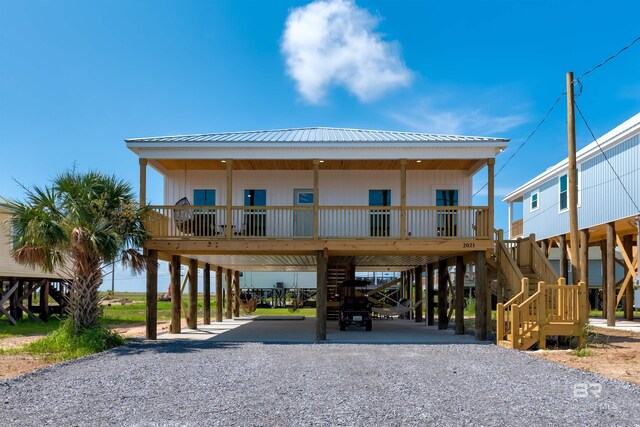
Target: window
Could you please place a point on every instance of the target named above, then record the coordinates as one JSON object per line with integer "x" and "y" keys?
{"x": 204, "y": 197}
{"x": 379, "y": 197}
{"x": 380, "y": 219}
{"x": 446, "y": 197}
{"x": 447, "y": 219}
{"x": 255, "y": 197}
{"x": 564, "y": 193}
{"x": 535, "y": 196}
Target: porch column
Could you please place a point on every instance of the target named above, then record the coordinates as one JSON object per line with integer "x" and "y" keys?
{"x": 192, "y": 320}
{"x": 229, "y": 291}
{"x": 418, "y": 293}
{"x": 627, "y": 246}
{"x": 143, "y": 181}
{"x": 430, "y": 299}
{"x": 206, "y": 294}
{"x": 236, "y": 291}
{"x": 564, "y": 267}
{"x": 316, "y": 195}
{"x": 611, "y": 274}
{"x": 151, "y": 311}
{"x": 481, "y": 297}
{"x": 490, "y": 193}
{"x": 176, "y": 296}
{"x": 219, "y": 297}
{"x": 321, "y": 296}
{"x": 460, "y": 270}
{"x": 403, "y": 198}
{"x": 443, "y": 320}
{"x": 510, "y": 218}
{"x": 229, "y": 211}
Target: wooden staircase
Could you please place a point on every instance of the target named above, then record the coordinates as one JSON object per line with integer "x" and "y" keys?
{"x": 527, "y": 319}
{"x": 336, "y": 274}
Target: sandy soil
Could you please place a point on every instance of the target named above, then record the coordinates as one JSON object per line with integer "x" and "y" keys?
{"x": 615, "y": 354}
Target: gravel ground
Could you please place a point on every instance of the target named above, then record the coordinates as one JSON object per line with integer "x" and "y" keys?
{"x": 252, "y": 384}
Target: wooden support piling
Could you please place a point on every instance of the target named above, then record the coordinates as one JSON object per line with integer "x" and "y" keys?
{"x": 151, "y": 311}
{"x": 564, "y": 265}
{"x": 603, "y": 259}
{"x": 481, "y": 297}
{"x": 44, "y": 301}
{"x": 236, "y": 291}
{"x": 627, "y": 247}
{"x": 418, "y": 295}
{"x": 584, "y": 257}
{"x": 611, "y": 274}
{"x": 206, "y": 294}
{"x": 443, "y": 320}
{"x": 430, "y": 295}
{"x": 229, "y": 296}
{"x": 192, "y": 319}
{"x": 321, "y": 296}
{"x": 460, "y": 271}
{"x": 219, "y": 297}
{"x": 176, "y": 296}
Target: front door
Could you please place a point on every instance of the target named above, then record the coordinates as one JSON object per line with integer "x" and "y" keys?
{"x": 447, "y": 219}
{"x": 303, "y": 218}
{"x": 379, "y": 219}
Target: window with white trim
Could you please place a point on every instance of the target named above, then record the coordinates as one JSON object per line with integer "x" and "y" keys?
{"x": 535, "y": 200}
{"x": 563, "y": 196}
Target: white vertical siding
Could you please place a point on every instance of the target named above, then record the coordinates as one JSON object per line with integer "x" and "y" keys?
{"x": 602, "y": 197}
{"x": 337, "y": 187}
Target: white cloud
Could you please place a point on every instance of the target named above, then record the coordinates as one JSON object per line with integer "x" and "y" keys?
{"x": 426, "y": 116}
{"x": 333, "y": 43}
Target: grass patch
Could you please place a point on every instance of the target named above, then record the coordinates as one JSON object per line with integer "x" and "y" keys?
{"x": 28, "y": 326}
{"x": 62, "y": 344}
{"x": 582, "y": 352}
{"x": 307, "y": 312}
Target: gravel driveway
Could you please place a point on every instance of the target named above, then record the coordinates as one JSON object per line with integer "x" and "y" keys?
{"x": 253, "y": 384}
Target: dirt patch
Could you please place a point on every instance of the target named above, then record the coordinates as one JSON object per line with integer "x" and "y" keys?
{"x": 116, "y": 301}
{"x": 614, "y": 354}
{"x": 12, "y": 365}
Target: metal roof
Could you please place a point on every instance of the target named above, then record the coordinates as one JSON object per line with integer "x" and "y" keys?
{"x": 318, "y": 134}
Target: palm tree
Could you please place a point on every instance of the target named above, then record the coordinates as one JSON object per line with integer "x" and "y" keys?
{"x": 79, "y": 223}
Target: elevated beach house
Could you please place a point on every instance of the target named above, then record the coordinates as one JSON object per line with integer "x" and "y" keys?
{"x": 608, "y": 200}
{"x": 322, "y": 200}
{"x": 26, "y": 290}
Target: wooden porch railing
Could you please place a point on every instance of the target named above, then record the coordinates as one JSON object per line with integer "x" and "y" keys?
{"x": 517, "y": 229}
{"x": 332, "y": 222}
{"x": 551, "y": 310}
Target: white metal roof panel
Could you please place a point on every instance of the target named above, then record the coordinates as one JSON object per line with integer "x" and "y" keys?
{"x": 317, "y": 134}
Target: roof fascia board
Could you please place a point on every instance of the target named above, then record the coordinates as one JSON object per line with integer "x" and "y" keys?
{"x": 619, "y": 134}
{"x": 335, "y": 153}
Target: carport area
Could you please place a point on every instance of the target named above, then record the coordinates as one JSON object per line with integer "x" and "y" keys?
{"x": 297, "y": 329}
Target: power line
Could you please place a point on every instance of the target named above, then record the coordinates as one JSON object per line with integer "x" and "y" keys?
{"x": 608, "y": 59}
{"x": 546, "y": 116}
{"x": 624, "y": 187}
{"x": 576, "y": 80}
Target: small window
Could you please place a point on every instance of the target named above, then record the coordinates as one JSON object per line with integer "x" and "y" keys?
{"x": 204, "y": 197}
{"x": 255, "y": 197}
{"x": 564, "y": 194}
{"x": 446, "y": 197}
{"x": 535, "y": 196}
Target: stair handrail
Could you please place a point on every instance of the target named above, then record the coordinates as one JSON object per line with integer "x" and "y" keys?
{"x": 540, "y": 263}
{"x": 505, "y": 312}
{"x": 526, "y": 316}
{"x": 508, "y": 265}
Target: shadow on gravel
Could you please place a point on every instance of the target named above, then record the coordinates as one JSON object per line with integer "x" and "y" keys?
{"x": 135, "y": 347}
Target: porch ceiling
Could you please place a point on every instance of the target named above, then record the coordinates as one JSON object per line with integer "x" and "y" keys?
{"x": 308, "y": 262}
{"x": 412, "y": 164}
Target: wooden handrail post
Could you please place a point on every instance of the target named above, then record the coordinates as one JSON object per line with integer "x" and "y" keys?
{"x": 229, "y": 212}
{"x": 515, "y": 325}
{"x": 499, "y": 322}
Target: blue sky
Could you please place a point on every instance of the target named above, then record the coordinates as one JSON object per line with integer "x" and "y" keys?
{"x": 77, "y": 77}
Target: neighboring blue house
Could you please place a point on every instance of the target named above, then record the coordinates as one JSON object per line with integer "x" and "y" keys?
{"x": 602, "y": 203}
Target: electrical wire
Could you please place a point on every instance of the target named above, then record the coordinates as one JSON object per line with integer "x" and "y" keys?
{"x": 607, "y": 60}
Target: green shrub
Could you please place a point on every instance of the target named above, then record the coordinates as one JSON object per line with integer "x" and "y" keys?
{"x": 582, "y": 352}
{"x": 64, "y": 344}
{"x": 470, "y": 307}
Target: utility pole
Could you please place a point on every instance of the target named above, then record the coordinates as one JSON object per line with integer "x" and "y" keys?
{"x": 573, "y": 181}
{"x": 113, "y": 277}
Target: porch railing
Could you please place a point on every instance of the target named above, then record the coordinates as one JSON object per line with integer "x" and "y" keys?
{"x": 333, "y": 222}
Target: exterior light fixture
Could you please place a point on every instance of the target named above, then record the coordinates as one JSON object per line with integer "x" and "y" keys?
{"x": 321, "y": 161}
{"x": 223, "y": 161}
{"x": 418, "y": 161}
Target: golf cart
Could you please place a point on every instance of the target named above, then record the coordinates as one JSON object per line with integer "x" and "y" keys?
{"x": 354, "y": 310}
